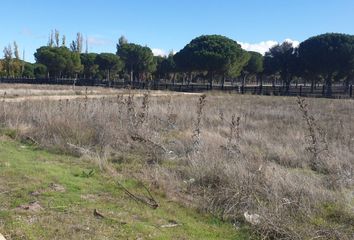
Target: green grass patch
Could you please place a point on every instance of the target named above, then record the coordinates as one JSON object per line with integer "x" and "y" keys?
{"x": 68, "y": 189}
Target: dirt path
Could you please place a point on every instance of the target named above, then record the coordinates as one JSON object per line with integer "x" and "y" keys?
{"x": 90, "y": 96}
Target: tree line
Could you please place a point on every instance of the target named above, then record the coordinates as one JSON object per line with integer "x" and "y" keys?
{"x": 326, "y": 58}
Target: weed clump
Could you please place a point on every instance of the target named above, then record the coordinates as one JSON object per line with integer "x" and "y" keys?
{"x": 315, "y": 138}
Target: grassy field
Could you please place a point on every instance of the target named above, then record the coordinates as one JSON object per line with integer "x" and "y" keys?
{"x": 51, "y": 196}
{"x": 286, "y": 162}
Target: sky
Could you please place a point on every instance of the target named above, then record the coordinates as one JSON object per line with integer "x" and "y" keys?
{"x": 168, "y": 25}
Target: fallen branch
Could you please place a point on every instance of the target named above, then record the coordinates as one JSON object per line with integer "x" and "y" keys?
{"x": 97, "y": 214}
{"x": 149, "y": 201}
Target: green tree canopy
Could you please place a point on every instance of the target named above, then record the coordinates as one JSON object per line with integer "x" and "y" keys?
{"x": 73, "y": 64}
{"x": 254, "y": 66}
{"x": 110, "y": 63}
{"x": 138, "y": 60}
{"x": 329, "y": 55}
{"x": 255, "y": 63}
{"x": 88, "y": 60}
{"x": 40, "y": 70}
{"x": 159, "y": 73}
{"x": 282, "y": 59}
{"x": 212, "y": 53}
{"x": 165, "y": 65}
{"x": 2, "y": 68}
{"x": 60, "y": 61}
{"x": 28, "y": 70}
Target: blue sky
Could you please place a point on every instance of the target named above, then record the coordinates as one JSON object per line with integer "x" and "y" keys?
{"x": 166, "y": 25}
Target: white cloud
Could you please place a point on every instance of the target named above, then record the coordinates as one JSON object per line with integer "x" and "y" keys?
{"x": 264, "y": 46}
{"x": 260, "y": 47}
{"x": 159, "y": 52}
{"x": 294, "y": 42}
{"x": 162, "y": 52}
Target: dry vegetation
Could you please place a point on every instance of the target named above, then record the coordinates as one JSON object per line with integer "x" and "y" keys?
{"x": 287, "y": 162}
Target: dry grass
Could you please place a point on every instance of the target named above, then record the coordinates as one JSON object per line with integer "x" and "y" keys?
{"x": 258, "y": 162}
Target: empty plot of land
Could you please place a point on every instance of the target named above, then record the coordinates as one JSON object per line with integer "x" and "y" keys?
{"x": 285, "y": 162}
{"x": 23, "y": 92}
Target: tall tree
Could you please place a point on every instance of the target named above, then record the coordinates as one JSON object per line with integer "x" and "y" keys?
{"x": 76, "y": 46}
{"x": 212, "y": 53}
{"x": 51, "y": 39}
{"x": 121, "y": 41}
{"x": 110, "y": 63}
{"x": 329, "y": 55}
{"x": 79, "y": 42}
{"x": 139, "y": 60}
{"x": 40, "y": 70}
{"x": 28, "y": 70}
{"x": 87, "y": 45}
{"x": 60, "y": 62}
{"x": 165, "y": 66}
{"x": 282, "y": 59}
{"x": 2, "y": 68}
{"x": 159, "y": 73}
{"x": 57, "y": 37}
{"x": 254, "y": 66}
{"x": 8, "y": 60}
{"x": 63, "y": 41}
{"x": 73, "y": 64}
{"x": 16, "y": 51}
{"x": 90, "y": 66}
{"x": 52, "y": 59}
{"x": 16, "y": 63}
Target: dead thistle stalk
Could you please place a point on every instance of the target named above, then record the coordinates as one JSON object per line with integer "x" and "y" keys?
{"x": 143, "y": 115}
{"x": 86, "y": 99}
{"x": 234, "y": 134}
{"x": 196, "y": 135}
{"x": 130, "y": 107}
{"x": 316, "y": 137}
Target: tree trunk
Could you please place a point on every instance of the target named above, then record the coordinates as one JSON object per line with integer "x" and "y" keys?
{"x": 312, "y": 84}
{"x": 189, "y": 78}
{"x": 109, "y": 78}
{"x": 287, "y": 87}
{"x": 223, "y": 81}
{"x": 347, "y": 84}
{"x": 244, "y": 76}
{"x": 329, "y": 86}
{"x": 287, "y": 84}
{"x": 211, "y": 80}
{"x": 173, "y": 78}
{"x": 259, "y": 78}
